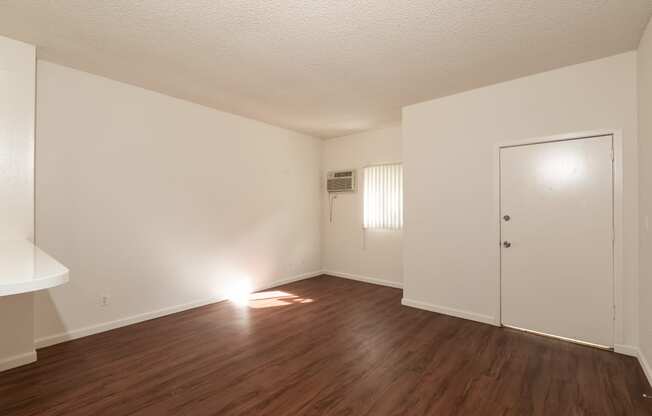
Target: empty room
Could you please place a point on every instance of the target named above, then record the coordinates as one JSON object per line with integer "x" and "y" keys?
{"x": 291, "y": 207}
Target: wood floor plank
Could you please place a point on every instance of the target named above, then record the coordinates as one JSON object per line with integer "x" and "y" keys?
{"x": 330, "y": 346}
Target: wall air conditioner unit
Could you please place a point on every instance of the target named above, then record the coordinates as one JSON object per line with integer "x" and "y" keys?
{"x": 341, "y": 181}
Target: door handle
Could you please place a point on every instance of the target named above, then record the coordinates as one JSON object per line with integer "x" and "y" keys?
{"x": 507, "y": 244}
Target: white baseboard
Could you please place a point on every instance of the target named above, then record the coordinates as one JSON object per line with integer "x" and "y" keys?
{"x": 458, "y": 313}
{"x": 365, "y": 279}
{"x": 17, "y": 360}
{"x": 118, "y": 323}
{"x": 624, "y": 349}
{"x": 646, "y": 367}
{"x": 292, "y": 279}
{"x": 134, "y": 319}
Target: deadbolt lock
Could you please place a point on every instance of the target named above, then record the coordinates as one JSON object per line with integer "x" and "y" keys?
{"x": 507, "y": 244}
{"x": 507, "y": 217}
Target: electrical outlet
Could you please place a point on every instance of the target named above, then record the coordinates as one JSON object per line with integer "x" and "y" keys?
{"x": 104, "y": 300}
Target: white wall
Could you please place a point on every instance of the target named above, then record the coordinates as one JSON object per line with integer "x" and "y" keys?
{"x": 17, "y": 89}
{"x": 645, "y": 187}
{"x": 158, "y": 202}
{"x": 450, "y": 238}
{"x": 17, "y": 85}
{"x": 343, "y": 254}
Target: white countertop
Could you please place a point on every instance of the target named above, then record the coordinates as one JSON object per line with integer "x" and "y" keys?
{"x": 26, "y": 268}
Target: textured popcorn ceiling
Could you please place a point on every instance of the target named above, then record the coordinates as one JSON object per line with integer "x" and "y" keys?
{"x": 323, "y": 67}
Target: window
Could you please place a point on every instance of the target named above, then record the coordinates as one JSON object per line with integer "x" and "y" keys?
{"x": 383, "y": 196}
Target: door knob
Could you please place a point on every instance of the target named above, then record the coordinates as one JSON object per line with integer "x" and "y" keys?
{"x": 507, "y": 217}
{"x": 507, "y": 244}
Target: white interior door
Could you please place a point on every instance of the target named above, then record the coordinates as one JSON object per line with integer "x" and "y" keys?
{"x": 557, "y": 231}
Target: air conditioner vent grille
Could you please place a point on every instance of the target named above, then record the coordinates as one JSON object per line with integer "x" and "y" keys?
{"x": 341, "y": 181}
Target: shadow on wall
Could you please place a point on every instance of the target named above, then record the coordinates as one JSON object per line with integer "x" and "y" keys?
{"x": 177, "y": 269}
{"x": 47, "y": 314}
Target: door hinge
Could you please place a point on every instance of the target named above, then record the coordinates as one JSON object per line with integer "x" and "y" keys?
{"x": 613, "y": 156}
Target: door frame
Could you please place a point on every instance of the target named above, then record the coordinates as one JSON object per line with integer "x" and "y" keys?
{"x": 618, "y": 304}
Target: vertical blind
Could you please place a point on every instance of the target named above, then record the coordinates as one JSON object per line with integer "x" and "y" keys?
{"x": 383, "y": 196}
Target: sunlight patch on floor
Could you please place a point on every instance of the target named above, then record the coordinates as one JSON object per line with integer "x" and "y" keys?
{"x": 274, "y": 298}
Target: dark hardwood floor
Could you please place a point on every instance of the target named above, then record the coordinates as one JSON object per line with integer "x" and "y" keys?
{"x": 329, "y": 347}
